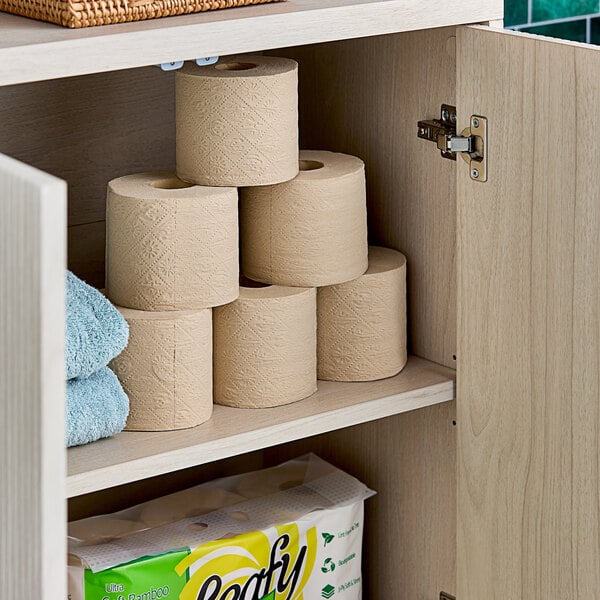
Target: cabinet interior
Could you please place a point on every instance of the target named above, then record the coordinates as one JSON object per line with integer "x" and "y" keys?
{"x": 410, "y": 525}
{"x": 362, "y": 97}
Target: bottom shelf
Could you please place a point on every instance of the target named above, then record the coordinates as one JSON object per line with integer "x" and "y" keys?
{"x": 131, "y": 456}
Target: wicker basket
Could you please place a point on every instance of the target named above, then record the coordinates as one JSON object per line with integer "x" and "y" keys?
{"x": 86, "y": 13}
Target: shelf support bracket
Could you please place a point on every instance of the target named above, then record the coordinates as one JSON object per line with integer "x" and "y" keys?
{"x": 177, "y": 64}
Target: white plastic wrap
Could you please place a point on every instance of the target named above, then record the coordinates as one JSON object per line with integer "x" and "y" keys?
{"x": 285, "y": 533}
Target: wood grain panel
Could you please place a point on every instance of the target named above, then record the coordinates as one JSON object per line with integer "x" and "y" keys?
{"x": 32, "y": 383}
{"x": 86, "y": 252}
{"x": 410, "y": 460}
{"x": 88, "y": 130}
{"x": 364, "y": 97}
{"x": 529, "y": 326}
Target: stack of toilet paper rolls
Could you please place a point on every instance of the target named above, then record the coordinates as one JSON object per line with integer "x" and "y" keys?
{"x": 237, "y": 124}
{"x": 171, "y": 255}
{"x": 172, "y": 258}
{"x": 312, "y": 231}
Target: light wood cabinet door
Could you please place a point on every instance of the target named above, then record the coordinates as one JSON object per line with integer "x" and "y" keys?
{"x": 529, "y": 327}
{"x": 32, "y": 383}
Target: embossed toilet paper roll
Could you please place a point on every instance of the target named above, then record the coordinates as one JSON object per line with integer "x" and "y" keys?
{"x": 97, "y": 530}
{"x": 166, "y": 369}
{"x": 237, "y": 121}
{"x": 185, "y": 504}
{"x": 170, "y": 245}
{"x": 362, "y": 323}
{"x": 265, "y": 347}
{"x": 311, "y": 231}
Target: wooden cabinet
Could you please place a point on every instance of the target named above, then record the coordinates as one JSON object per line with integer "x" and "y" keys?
{"x": 492, "y": 495}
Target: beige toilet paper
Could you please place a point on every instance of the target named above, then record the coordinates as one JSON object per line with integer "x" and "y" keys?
{"x": 237, "y": 121}
{"x": 170, "y": 245}
{"x": 166, "y": 369}
{"x": 265, "y": 347}
{"x": 185, "y": 504}
{"x": 97, "y": 530}
{"x": 362, "y": 323}
{"x": 311, "y": 231}
{"x": 271, "y": 481}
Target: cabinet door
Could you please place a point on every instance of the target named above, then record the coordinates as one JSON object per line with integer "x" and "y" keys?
{"x": 32, "y": 383}
{"x": 529, "y": 327}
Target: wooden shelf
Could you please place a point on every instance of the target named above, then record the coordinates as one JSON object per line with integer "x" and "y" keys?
{"x": 33, "y": 51}
{"x": 131, "y": 456}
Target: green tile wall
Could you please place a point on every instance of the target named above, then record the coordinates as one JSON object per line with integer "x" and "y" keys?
{"x": 546, "y": 10}
{"x": 515, "y": 12}
{"x": 595, "y": 31}
{"x": 569, "y": 30}
{"x": 577, "y": 20}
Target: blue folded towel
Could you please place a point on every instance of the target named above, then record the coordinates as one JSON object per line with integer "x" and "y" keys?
{"x": 96, "y": 331}
{"x": 97, "y": 407}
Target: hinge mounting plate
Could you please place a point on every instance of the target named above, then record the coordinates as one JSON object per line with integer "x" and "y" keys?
{"x": 471, "y": 143}
{"x": 446, "y": 596}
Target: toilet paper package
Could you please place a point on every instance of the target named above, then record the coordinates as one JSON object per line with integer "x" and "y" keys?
{"x": 291, "y": 532}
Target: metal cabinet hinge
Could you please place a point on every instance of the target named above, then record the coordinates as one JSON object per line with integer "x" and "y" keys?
{"x": 471, "y": 144}
{"x": 446, "y": 596}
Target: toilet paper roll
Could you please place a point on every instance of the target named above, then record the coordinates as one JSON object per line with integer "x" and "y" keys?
{"x": 185, "y": 504}
{"x": 170, "y": 245}
{"x": 311, "y": 231}
{"x": 271, "y": 481}
{"x": 98, "y": 530}
{"x": 362, "y": 323}
{"x": 166, "y": 369}
{"x": 265, "y": 347}
{"x": 237, "y": 121}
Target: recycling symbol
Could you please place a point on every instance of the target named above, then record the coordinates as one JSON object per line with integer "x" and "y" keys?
{"x": 328, "y": 566}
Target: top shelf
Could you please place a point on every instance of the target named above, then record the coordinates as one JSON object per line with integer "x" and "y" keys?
{"x": 34, "y": 51}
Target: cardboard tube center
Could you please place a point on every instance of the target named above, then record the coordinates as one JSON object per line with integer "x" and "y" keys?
{"x": 235, "y": 66}
{"x": 171, "y": 183}
{"x": 310, "y": 165}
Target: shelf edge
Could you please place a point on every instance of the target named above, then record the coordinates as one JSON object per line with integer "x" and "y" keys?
{"x": 80, "y": 52}
{"x": 197, "y": 454}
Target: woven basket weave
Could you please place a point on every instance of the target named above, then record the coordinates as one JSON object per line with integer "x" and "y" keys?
{"x": 86, "y": 13}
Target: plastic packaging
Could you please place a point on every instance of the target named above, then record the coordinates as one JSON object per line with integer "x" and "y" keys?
{"x": 291, "y": 532}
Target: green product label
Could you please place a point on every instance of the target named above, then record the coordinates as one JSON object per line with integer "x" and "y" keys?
{"x": 148, "y": 578}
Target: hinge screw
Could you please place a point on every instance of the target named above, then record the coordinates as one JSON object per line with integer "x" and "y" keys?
{"x": 445, "y": 115}
{"x": 475, "y": 173}
{"x": 475, "y": 123}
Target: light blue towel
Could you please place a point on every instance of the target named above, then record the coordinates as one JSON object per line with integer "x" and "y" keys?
{"x": 96, "y": 331}
{"x": 97, "y": 407}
